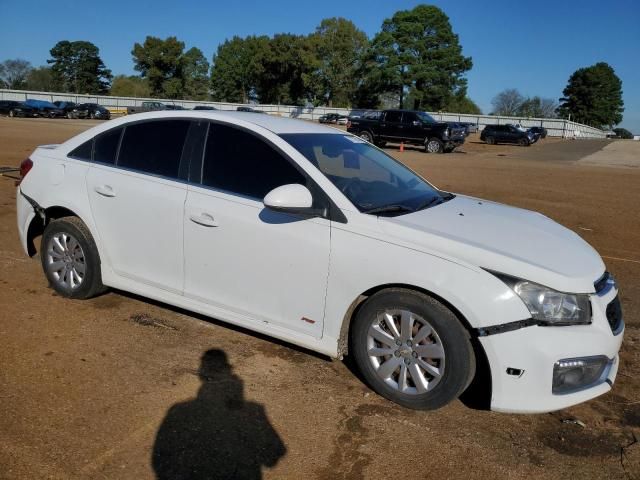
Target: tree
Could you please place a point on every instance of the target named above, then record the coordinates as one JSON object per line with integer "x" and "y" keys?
{"x": 623, "y": 133}
{"x": 463, "y": 104}
{"x": 338, "y": 46}
{"x": 132, "y": 86}
{"x": 195, "y": 70}
{"x": 286, "y": 68}
{"x": 13, "y": 73}
{"x": 78, "y": 68}
{"x": 417, "y": 51}
{"x": 236, "y": 68}
{"x": 537, "y": 107}
{"x": 593, "y": 96}
{"x": 41, "y": 79}
{"x": 507, "y": 102}
{"x": 160, "y": 62}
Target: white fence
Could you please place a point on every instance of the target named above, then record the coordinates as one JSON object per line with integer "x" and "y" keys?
{"x": 555, "y": 127}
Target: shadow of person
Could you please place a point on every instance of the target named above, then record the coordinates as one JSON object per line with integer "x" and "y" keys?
{"x": 218, "y": 434}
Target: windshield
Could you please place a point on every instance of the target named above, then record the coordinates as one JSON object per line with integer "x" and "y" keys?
{"x": 372, "y": 180}
{"x": 425, "y": 117}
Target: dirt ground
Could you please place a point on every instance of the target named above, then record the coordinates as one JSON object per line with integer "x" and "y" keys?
{"x": 92, "y": 389}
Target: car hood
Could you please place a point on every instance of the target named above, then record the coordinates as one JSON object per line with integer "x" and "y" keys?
{"x": 501, "y": 238}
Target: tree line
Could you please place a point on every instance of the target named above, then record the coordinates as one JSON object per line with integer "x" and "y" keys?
{"x": 414, "y": 61}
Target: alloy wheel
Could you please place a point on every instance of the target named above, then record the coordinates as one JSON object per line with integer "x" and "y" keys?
{"x": 405, "y": 351}
{"x": 66, "y": 261}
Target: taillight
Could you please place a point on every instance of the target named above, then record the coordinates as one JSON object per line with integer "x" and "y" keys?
{"x": 25, "y": 166}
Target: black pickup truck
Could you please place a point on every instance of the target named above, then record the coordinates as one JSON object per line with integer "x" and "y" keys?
{"x": 408, "y": 126}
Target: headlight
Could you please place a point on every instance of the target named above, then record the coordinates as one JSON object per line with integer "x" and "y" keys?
{"x": 549, "y": 306}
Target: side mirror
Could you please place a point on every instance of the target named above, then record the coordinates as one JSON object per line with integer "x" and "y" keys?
{"x": 292, "y": 198}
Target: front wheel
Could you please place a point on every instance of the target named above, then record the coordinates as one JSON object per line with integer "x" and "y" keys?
{"x": 491, "y": 141}
{"x": 411, "y": 349}
{"x": 70, "y": 259}
{"x": 524, "y": 142}
{"x": 434, "y": 145}
{"x": 12, "y": 113}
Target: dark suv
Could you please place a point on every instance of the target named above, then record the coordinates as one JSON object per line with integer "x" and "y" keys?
{"x": 493, "y": 134}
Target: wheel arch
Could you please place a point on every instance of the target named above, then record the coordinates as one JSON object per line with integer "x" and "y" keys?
{"x": 39, "y": 223}
{"x": 478, "y": 393}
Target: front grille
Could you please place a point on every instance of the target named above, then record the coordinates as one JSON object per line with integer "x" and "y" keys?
{"x": 614, "y": 316}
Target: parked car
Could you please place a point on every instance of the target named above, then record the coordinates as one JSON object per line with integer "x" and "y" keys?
{"x": 45, "y": 109}
{"x": 493, "y": 134}
{"x": 174, "y": 107}
{"x": 249, "y": 110}
{"x": 408, "y": 126}
{"x": 539, "y": 131}
{"x": 204, "y": 107}
{"x": 90, "y": 110}
{"x": 333, "y": 118}
{"x": 65, "y": 106}
{"x": 316, "y": 237}
{"x": 147, "y": 107}
{"x": 14, "y": 108}
{"x": 471, "y": 127}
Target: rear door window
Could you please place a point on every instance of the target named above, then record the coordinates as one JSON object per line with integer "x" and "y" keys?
{"x": 106, "y": 146}
{"x": 154, "y": 147}
{"x": 83, "y": 152}
{"x": 393, "y": 117}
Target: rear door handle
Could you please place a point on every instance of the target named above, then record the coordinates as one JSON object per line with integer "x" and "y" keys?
{"x": 105, "y": 190}
{"x": 204, "y": 219}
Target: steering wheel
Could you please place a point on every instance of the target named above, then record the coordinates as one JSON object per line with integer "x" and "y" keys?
{"x": 352, "y": 187}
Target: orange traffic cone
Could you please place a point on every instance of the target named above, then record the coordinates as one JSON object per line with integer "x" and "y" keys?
{"x": 402, "y": 146}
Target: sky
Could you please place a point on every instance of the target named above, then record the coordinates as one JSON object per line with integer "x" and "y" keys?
{"x": 533, "y": 46}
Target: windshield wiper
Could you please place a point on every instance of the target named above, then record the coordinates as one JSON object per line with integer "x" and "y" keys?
{"x": 435, "y": 201}
{"x": 389, "y": 209}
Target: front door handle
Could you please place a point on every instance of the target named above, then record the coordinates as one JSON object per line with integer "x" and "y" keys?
{"x": 204, "y": 219}
{"x": 105, "y": 190}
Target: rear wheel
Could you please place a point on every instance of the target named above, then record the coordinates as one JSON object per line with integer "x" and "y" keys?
{"x": 366, "y": 136}
{"x": 69, "y": 116}
{"x": 92, "y": 116}
{"x": 523, "y": 142}
{"x": 70, "y": 259}
{"x": 411, "y": 349}
{"x": 12, "y": 113}
{"x": 491, "y": 141}
{"x": 434, "y": 145}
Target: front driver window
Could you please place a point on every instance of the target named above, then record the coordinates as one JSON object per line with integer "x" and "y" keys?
{"x": 239, "y": 162}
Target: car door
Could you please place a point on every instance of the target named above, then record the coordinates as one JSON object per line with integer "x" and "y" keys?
{"x": 391, "y": 124}
{"x": 412, "y": 127}
{"x": 264, "y": 265}
{"x": 137, "y": 200}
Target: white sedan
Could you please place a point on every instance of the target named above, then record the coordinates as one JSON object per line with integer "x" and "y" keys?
{"x": 316, "y": 237}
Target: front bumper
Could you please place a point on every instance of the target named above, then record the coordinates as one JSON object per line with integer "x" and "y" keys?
{"x": 522, "y": 361}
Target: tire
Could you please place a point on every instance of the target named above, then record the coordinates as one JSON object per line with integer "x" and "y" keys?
{"x": 491, "y": 141}
{"x": 12, "y": 113}
{"x": 367, "y": 136}
{"x": 70, "y": 259}
{"x": 434, "y": 145}
{"x": 523, "y": 142}
{"x": 449, "y": 150}
{"x": 69, "y": 116}
{"x": 92, "y": 116}
{"x": 437, "y": 384}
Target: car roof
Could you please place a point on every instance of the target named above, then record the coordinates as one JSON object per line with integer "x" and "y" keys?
{"x": 275, "y": 124}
